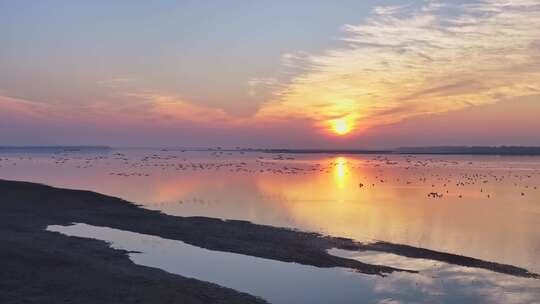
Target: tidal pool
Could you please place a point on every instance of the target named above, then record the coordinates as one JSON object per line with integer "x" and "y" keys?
{"x": 280, "y": 282}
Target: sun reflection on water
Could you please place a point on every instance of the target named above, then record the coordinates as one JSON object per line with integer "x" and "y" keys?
{"x": 340, "y": 172}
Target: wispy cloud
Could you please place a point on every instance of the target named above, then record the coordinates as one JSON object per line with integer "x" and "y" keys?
{"x": 407, "y": 61}
{"x": 24, "y": 110}
{"x": 137, "y": 108}
{"x": 117, "y": 82}
{"x": 171, "y": 108}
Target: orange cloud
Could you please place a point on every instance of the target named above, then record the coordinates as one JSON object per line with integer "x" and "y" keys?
{"x": 405, "y": 62}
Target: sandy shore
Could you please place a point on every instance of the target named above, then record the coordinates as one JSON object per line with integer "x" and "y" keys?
{"x": 47, "y": 267}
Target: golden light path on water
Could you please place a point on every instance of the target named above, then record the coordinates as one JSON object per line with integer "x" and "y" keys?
{"x": 340, "y": 172}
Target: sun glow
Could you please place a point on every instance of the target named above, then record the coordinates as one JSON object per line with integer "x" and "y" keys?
{"x": 341, "y": 126}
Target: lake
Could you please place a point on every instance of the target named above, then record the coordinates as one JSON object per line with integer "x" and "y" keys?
{"x": 486, "y": 207}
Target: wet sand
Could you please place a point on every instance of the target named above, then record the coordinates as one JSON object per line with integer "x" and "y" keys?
{"x": 46, "y": 267}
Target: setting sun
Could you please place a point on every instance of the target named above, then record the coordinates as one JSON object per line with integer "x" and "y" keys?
{"x": 341, "y": 126}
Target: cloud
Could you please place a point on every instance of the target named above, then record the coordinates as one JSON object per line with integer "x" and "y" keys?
{"x": 261, "y": 86}
{"x": 389, "y": 10}
{"x": 403, "y": 62}
{"x": 446, "y": 90}
{"x": 29, "y": 111}
{"x": 171, "y": 109}
{"x": 117, "y": 82}
{"x": 138, "y": 108}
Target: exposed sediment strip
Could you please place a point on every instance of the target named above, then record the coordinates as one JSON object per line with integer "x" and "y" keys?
{"x": 454, "y": 259}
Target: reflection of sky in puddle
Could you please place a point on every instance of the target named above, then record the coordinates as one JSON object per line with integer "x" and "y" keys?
{"x": 281, "y": 282}
{"x": 449, "y": 283}
{"x": 322, "y": 193}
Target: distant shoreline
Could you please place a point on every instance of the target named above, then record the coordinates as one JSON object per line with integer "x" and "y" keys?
{"x": 440, "y": 150}
{"x": 436, "y": 150}
{"x": 422, "y": 151}
{"x": 53, "y": 149}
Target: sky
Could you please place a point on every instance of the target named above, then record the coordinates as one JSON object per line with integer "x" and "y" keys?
{"x": 282, "y": 74}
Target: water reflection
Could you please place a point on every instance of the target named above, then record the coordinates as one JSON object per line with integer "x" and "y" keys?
{"x": 323, "y": 193}
{"x": 281, "y": 282}
{"x": 443, "y": 282}
{"x": 340, "y": 172}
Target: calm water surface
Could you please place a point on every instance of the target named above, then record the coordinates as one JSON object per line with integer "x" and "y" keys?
{"x": 487, "y": 207}
{"x": 285, "y": 283}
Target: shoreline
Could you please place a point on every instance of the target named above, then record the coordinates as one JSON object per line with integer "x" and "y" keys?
{"x": 436, "y": 150}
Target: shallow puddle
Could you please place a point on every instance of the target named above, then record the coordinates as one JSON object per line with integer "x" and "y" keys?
{"x": 280, "y": 282}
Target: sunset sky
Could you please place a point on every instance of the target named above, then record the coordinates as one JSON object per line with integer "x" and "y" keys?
{"x": 291, "y": 74}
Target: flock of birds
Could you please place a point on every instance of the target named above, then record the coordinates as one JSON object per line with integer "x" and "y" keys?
{"x": 442, "y": 177}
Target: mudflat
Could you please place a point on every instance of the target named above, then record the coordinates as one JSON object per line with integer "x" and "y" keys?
{"x": 39, "y": 266}
{"x": 47, "y": 267}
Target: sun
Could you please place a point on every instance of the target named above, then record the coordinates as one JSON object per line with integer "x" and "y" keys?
{"x": 341, "y": 126}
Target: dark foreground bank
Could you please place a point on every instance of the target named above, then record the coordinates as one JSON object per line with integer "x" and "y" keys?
{"x": 47, "y": 267}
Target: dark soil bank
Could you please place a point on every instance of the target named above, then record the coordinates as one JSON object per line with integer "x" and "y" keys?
{"x": 47, "y": 267}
